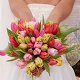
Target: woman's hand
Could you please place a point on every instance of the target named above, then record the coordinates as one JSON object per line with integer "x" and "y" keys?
{"x": 20, "y": 9}
{"x": 61, "y": 11}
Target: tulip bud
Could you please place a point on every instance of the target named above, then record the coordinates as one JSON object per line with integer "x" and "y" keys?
{"x": 59, "y": 61}
{"x": 55, "y": 28}
{"x": 2, "y": 52}
{"x": 30, "y": 45}
{"x": 30, "y": 66}
{"x": 13, "y": 54}
{"x": 14, "y": 27}
{"x": 37, "y": 44}
{"x": 13, "y": 41}
{"x": 27, "y": 57}
{"x": 33, "y": 39}
{"x": 44, "y": 47}
{"x": 23, "y": 33}
{"x": 52, "y": 51}
{"x": 23, "y": 46}
{"x": 43, "y": 55}
{"x": 52, "y": 62}
{"x": 27, "y": 39}
{"x": 21, "y": 39}
{"x": 30, "y": 51}
{"x": 39, "y": 39}
{"x": 45, "y": 38}
{"x": 39, "y": 62}
{"x": 36, "y": 51}
{"x": 21, "y": 64}
{"x": 51, "y": 43}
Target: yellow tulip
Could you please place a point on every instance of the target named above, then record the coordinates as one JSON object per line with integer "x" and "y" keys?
{"x": 23, "y": 46}
{"x": 44, "y": 47}
{"x": 21, "y": 39}
{"x": 27, "y": 39}
{"x": 45, "y": 38}
{"x": 31, "y": 66}
{"x": 59, "y": 60}
{"x": 39, "y": 62}
{"x": 39, "y": 39}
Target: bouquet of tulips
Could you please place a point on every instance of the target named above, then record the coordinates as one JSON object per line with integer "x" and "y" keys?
{"x": 37, "y": 45}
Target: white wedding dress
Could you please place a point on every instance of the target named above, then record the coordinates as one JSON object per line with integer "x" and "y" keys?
{"x": 9, "y": 70}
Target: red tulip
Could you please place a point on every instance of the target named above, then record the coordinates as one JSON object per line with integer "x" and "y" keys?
{"x": 44, "y": 55}
{"x": 13, "y": 54}
{"x": 21, "y": 27}
{"x": 62, "y": 49}
{"x": 30, "y": 45}
{"x": 48, "y": 28}
{"x": 51, "y": 43}
{"x": 2, "y": 52}
{"x": 52, "y": 62}
{"x": 55, "y": 28}
{"x": 13, "y": 41}
{"x": 35, "y": 72}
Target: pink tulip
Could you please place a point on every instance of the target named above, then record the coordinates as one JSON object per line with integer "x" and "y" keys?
{"x": 23, "y": 33}
{"x": 14, "y": 27}
{"x": 27, "y": 57}
{"x": 57, "y": 44}
{"x": 52, "y": 51}
{"x": 42, "y": 33}
{"x": 21, "y": 64}
{"x": 22, "y": 21}
{"x": 2, "y": 53}
{"x": 13, "y": 41}
{"x": 55, "y": 28}
{"x": 36, "y": 25}
{"x": 36, "y": 33}
{"x": 36, "y": 51}
{"x": 33, "y": 39}
{"x": 52, "y": 62}
{"x": 38, "y": 45}
{"x": 30, "y": 51}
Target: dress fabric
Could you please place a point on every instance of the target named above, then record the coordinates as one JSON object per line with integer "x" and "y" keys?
{"x": 9, "y": 70}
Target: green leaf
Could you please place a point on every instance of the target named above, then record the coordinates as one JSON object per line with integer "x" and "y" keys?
{"x": 12, "y": 59}
{"x": 19, "y": 50}
{"x": 64, "y": 33}
{"x": 39, "y": 28}
{"x": 43, "y": 22}
{"x": 56, "y": 56}
{"x": 20, "y": 54}
{"x": 13, "y": 34}
{"x": 46, "y": 67}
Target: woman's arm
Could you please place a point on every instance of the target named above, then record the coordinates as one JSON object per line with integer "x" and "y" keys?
{"x": 61, "y": 11}
{"x": 20, "y": 9}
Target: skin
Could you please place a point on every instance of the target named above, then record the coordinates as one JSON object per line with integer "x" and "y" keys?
{"x": 62, "y": 10}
